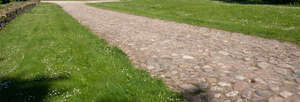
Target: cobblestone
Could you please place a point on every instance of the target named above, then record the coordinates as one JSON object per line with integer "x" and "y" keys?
{"x": 185, "y": 54}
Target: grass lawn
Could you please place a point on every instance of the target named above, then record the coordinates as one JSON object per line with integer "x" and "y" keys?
{"x": 275, "y": 22}
{"x": 46, "y": 55}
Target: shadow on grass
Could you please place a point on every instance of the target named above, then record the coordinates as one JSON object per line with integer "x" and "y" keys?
{"x": 1, "y": 59}
{"x": 31, "y": 90}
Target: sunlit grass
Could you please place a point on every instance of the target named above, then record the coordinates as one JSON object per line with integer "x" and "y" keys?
{"x": 46, "y": 55}
{"x": 275, "y": 22}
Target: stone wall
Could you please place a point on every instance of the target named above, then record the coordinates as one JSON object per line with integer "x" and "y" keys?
{"x": 7, "y": 16}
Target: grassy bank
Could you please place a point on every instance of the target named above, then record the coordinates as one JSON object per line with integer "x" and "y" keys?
{"x": 46, "y": 55}
{"x": 275, "y": 22}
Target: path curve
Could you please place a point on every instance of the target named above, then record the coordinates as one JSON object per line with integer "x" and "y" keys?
{"x": 227, "y": 66}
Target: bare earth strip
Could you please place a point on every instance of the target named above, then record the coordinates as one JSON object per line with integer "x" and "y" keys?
{"x": 226, "y": 66}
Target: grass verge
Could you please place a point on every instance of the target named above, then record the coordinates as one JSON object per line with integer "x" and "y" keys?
{"x": 46, "y": 55}
{"x": 275, "y": 22}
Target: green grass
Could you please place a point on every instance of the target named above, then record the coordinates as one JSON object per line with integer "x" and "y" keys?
{"x": 275, "y": 22}
{"x": 46, "y": 55}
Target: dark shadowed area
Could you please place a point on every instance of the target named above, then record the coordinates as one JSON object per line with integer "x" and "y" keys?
{"x": 26, "y": 90}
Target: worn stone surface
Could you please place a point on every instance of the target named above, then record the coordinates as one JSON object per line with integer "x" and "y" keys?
{"x": 227, "y": 101}
{"x": 263, "y": 65}
{"x": 276, "y": 99}
{"x": 262, "y": 93}
{"x": 247, "y": 94}
{"x": 241, "y": 85}
{"x": 203, "y": 86}
{"x": 297, "y": 73}
{"x": 218, "y": 95}
{"x": 185, "y": 56}
{"x": 240, "y": 77}
{"x": 296, "y": 99}
{"x": 298, "y": 80}
{"x": 188, "y": 87}
{"x": 224, "y": 84}
{"x": 274, "y": 88}
{"x": 286, "y": 94}
{"x": 232, "y": 93}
